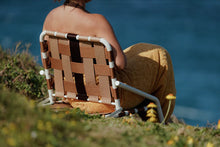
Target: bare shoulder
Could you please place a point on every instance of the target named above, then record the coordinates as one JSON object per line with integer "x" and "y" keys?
{"x": 100, "y": 20}
{"x": 101, "y": 25}
{"x": 50, "y": 16}
{"x": 99, "y": 17}
{"x": 53, "y": 11}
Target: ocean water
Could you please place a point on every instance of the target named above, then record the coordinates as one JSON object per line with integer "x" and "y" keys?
{"x": 188, "y": 29}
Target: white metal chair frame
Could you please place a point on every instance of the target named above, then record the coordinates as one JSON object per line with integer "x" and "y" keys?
{"x": 115, "y": 82}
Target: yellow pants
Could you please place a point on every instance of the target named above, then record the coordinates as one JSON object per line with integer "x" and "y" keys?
{"x": 149, "y": 68}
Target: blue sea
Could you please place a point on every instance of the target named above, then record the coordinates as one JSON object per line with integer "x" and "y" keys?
{"x": 189, "y": 30}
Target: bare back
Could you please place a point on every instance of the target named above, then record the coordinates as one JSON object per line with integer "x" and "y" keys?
{"x": 67, "y": 19}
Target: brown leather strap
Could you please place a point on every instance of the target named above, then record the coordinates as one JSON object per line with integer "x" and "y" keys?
{"x": 86, "y": 50}
{"x": 89, "y": 72}
{"x": 75, "y": 54}
{"x": 103, "y": 80}
{"x": 80, "y": 69}
{"x": 77, "y": 67}
{"x": 69, "y": 85}
{"x": 64, "y": 48}
{"x": 90, "y": 80}
{"x": 102, "y": 70}
{"x": 44, "y": 46}
{"x": 58, "y": 75}
{"x": 56, "y": 64}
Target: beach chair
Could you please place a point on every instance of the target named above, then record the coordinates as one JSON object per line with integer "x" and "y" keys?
{"x": 82, "y": 68}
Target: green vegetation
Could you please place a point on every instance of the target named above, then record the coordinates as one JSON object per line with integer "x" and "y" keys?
{"x": 19, "y": 71}
{"x": 24, "y": 124}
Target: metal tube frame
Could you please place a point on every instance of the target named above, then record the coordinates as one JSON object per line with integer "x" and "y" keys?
{"x": 144, "y": 94}
{"x": 115, "y": 82}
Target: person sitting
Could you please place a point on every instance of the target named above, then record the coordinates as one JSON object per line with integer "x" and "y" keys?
{"x": 144, "y": 66}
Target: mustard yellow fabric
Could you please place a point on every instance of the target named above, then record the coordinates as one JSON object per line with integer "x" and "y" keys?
{"x": 149, "y": 68}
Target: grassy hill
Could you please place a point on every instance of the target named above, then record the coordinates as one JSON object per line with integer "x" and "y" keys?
{"x": 24, "y": 124}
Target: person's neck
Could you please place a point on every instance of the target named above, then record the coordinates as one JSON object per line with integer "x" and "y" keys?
{"x": 80, "y": 5}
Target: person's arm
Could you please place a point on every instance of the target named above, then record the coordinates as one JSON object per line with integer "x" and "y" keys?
{"x": 105, "y": 30}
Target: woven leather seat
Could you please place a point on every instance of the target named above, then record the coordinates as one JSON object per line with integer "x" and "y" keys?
{"x": 81, "y": 68}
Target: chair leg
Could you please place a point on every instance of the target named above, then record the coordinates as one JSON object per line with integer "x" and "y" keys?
{"x": 47, "y": 101}
{"x": 144, "y": 94}
{"x": 115, "y": 113}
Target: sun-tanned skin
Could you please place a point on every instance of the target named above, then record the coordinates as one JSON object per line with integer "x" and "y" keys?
{"x": 67, "y": 19}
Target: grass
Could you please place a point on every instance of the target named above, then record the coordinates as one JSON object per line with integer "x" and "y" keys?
{"x": 24, "y": 124}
